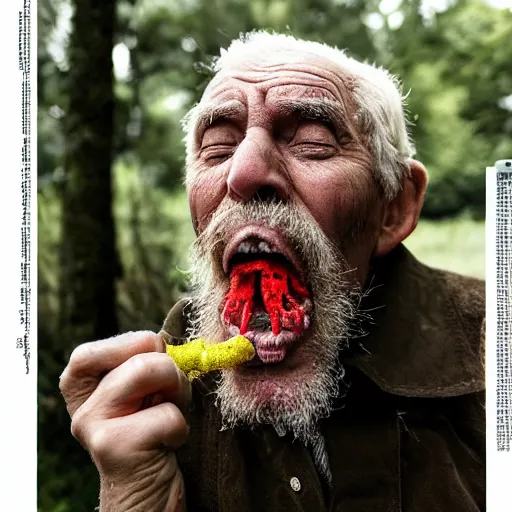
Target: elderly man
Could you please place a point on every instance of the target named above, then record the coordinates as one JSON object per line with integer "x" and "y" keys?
{"x": 371, "y": 397}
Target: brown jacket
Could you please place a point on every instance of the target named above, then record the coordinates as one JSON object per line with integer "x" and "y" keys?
{"x": 408, "y": 436}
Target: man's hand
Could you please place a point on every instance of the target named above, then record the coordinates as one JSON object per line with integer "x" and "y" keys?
{"x": 124, "y": 396}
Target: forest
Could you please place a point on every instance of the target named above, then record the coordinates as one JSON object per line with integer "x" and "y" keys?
{"x": 116, "y": 77}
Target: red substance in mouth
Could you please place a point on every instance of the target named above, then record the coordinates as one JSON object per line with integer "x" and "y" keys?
{"x": 279, "y": 287}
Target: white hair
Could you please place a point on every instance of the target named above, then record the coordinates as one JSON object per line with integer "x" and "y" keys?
{"x": 377, "y": 94}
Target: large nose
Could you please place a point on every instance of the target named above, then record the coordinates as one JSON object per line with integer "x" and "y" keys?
{"x": 257, "y": 171}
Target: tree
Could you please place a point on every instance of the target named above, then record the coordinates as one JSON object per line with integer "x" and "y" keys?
{"x": 89, "y": 265}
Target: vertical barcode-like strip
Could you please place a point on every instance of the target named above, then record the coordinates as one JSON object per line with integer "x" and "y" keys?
{"x": 504, "y": 310}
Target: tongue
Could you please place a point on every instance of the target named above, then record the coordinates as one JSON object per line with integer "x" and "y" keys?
{"x": 281, "y": 291}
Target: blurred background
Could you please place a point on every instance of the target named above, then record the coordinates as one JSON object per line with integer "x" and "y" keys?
{"x": 114, "y": 80}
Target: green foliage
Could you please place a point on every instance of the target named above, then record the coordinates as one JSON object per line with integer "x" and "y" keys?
{"x": 152, "y": 231}
{"x": 455, "y": 244}
{"x": 149, "y": 242}
{"x": 457, "y": 68}
{"x": 456, "y": 65}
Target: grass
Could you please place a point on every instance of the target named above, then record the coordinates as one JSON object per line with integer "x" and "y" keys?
{"x": 456, "y": 244}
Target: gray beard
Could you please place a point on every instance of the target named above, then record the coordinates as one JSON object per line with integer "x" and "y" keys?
{"x": 299, "y": 398}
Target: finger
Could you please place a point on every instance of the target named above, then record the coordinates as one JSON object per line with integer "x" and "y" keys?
{"x": 90, "y": 361}
{"x": 152, "y": 400}
{"x": 113, "y": 440}
{"x": 162, "y": 424}
{"x": 97, "y": 357}
{"x": 121, "y": 392}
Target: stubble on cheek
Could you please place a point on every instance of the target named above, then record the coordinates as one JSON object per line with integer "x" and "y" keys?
{"x": 346, "y": 198}
{"x": 359, "y": 219}
{"x": 359, "y": 214}
{"x": 206, "y": 188}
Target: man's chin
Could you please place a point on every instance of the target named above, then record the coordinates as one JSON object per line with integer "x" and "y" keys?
{"x": 291, "y": 395}
{"x": 274, "y": 378}
{"x": 269, "y": 392}
{"x": 259, "y": 396}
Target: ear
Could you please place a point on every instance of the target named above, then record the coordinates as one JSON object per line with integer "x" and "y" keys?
{"x": 402, "y": 213}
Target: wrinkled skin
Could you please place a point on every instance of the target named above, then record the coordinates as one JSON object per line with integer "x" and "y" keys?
{"x": 261, "y": 149}
{"x": 124, "y": 395}
{"x": 286, "y": 128}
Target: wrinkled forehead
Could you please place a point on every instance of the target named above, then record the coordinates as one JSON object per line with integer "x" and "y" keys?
{"x": 281, "y": 74}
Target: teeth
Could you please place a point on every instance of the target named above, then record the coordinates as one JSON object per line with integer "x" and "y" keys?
{"x": 253, "y": 247}
{"x": 264, "y": 247}
{"x": 244, "y": 247}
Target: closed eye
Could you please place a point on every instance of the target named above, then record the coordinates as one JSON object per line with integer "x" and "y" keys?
{"x": 219, "y": 142}
{"x": 215, "y": 152}
{"x": 315, "y": 150}
{"x": 314, "y": 139}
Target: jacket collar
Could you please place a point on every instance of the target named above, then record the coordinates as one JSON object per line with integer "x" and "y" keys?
{"x": 425, "y": 339}
{"x": 425, "y": 336}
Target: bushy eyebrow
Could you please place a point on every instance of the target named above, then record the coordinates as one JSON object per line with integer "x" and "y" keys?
{"x": 208, "y": 114}
{"x": 314, "y": 109}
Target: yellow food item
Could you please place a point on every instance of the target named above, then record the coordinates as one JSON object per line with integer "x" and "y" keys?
{"x": 197, "y": 357}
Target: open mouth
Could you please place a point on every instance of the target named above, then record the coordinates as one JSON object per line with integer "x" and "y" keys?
{"x": 267, "y": 302}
